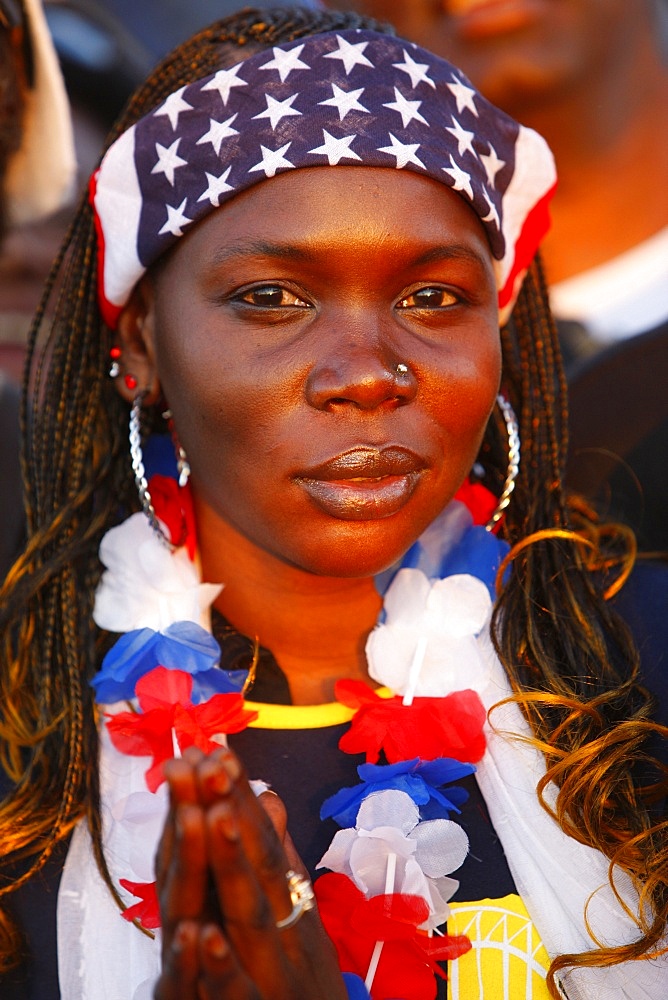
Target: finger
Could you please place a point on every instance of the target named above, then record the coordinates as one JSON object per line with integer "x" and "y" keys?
{"x": 249, "y": 864}
{"x": 182, "y": 889}
{"x": 274, "y": 806}
{"x": 249, "y": 867}
{"x": 215, "y": 775}
{"x": 276, "y": 811}
{"x": 221, "y": 778}
{"x": 247, "y": 913}
{"x": 220, "y": 973}
{"x": 180, "y": 965}
{"x": 180, "y": 777}
{"x": 292, "y": 963}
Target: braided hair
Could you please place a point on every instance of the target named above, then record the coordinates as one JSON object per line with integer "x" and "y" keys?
{"x": 570, "y": 660}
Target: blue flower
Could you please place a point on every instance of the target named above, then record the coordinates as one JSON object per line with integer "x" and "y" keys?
{"x": 479, "y": 553}
{"x": 420, "y": 780}
{"x": 182, "y": 646}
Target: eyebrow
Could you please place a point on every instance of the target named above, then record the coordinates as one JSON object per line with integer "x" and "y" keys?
{"x": 450, "y": 251}
{"x": 259, "y": 248}
{"x": 290, "y": 251}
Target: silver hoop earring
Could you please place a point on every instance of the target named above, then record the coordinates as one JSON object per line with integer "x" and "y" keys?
{"x": 513, "y": 432}
{"x": 137, "y": 459}
{"x": 182, "y": 463}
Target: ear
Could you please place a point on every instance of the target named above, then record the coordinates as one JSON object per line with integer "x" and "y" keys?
{"x": 135, "y": 336}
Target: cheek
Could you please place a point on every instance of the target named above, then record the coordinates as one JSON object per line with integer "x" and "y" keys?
{"x": 464, "y": 389}
{"x": 226, "y": 420}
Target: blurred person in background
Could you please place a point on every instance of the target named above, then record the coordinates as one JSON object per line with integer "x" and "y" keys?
{"x": 37, "y": 174}
{"x": 591, "y": 76}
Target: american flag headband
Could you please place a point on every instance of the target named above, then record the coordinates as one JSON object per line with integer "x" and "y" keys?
{"x": 332, "y": 99}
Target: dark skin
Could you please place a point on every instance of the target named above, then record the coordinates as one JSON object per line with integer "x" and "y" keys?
{"x": 300, "y": 297}
{"x": 274, "y": 329}
{"x": 217, "y": 829}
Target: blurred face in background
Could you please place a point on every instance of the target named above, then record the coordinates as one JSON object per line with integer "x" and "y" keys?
{"x": 521, "y": 53}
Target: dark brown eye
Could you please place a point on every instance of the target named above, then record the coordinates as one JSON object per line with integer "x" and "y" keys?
{"x": 428, "y": 298}
{"x": 272, "y": 297}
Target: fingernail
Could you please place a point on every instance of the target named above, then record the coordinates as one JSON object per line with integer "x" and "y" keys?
{"x": 225, "y": 819}
{"x": 218, "y": 782}
{"x": 184, "y": 818}
{"x": 231, "y": 765}
{"x": 180, "y": 939}
{"x": 214, "y": 942}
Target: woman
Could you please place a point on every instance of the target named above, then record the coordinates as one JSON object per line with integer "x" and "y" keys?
{"x": 307, "y": 345}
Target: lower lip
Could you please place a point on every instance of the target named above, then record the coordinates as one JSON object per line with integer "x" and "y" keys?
{"x": 359, "y": 499}
{"x": 496, "y": 17}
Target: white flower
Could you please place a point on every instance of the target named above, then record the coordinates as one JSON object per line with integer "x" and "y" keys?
{"x": 389, "y": 837}
{"x": 132, "y": 823}
{"x": 427, "y": 646}
{"x": 146, "y": 585}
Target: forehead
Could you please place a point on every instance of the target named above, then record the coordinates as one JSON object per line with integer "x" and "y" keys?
{"x": 318, "y": 211}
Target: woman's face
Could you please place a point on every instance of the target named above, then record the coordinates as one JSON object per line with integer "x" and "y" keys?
{"x": 328, "y": 345}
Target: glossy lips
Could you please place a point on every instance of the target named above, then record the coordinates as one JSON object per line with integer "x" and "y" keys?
{"x": 364, "y": 483}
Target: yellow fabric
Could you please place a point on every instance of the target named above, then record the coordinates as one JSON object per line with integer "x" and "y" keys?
{"x": 507, "y": 960}
{"x": 304, "y": 716}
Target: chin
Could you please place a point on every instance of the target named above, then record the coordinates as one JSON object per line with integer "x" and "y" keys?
{"x": 354, "y": 558}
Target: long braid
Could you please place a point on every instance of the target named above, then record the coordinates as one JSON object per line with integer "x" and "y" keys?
{"x": 570, "y": 659}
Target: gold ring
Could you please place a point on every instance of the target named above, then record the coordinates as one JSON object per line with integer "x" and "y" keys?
{"x": 302, "y": 897}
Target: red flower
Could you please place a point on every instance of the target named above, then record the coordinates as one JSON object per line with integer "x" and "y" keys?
{"x": 480, "y": 501}
{"x": 408, "y": 958}
{"x": 428, "y": 728}
{"x": 173, "y": 504}
{"x": 146, "y": 911}
{"x": 167, "y": 713}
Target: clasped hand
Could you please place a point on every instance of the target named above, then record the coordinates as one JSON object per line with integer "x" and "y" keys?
{"x": 222, "y": 886}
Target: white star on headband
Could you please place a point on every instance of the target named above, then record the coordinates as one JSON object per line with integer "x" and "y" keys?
{"x": 168, "y": 160}
{"x": 465, "y": 97}
{"x": 492, "y": 215}
{"x": 464, "y": 138}
{"x": 217, "y": 132}
{"x": 404, "y": 152}
{"x": 217, "y": 186}
{"x": 272, "y": 160}
{"x": 416, "y": 71}
{"x": 345, "y": 101}
{"x": 223, "y": 82}
{"x": 175, "y": 220}
{"x": 349, "y": 54}
{"x": 278, "y": 109}
{"x": 492, "y": 164}
{"x": 407, "y": 109}
{"x": 336, "y": 149}
{"x": 460, "y": 177}
{"x": 285, "y": 62}
{"x": 173, "y": 107}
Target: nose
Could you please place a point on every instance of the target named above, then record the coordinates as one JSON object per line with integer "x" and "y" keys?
{"x": 360, "y": 375}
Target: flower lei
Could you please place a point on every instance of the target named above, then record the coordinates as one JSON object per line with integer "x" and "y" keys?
{"x": 160, "y": 690}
